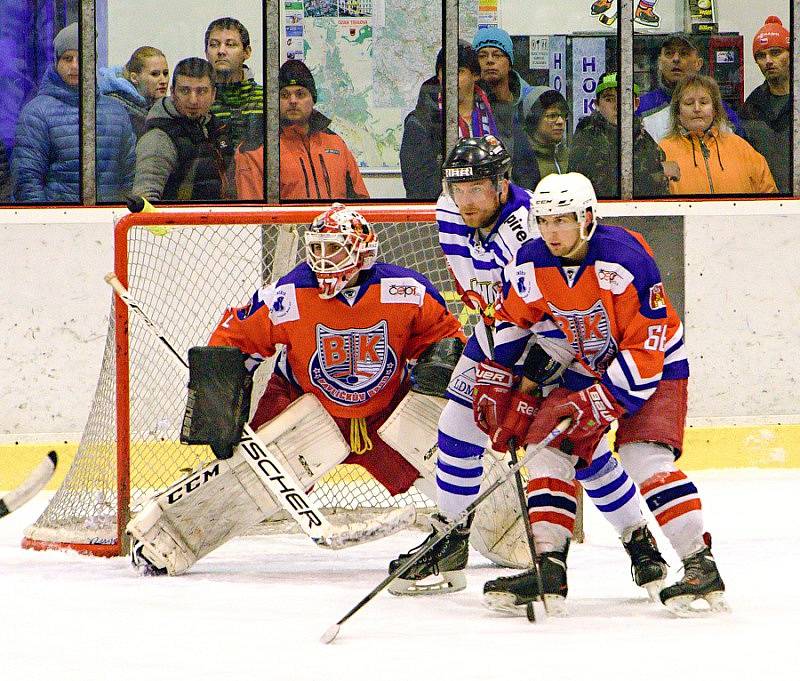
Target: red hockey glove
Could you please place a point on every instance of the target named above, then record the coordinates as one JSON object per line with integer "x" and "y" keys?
{"x": 521, "y": 410}
{"x": 492, "y": 395}
{"x": 592, "y": 411}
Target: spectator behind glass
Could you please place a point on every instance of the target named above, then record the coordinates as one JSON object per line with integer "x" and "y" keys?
{"x": 315, "y": 162}
{"x": 504, "y": 86}
{"x": 47, "y": 154}
{"x": 138, "y": 84}
{"x": 768, "y": 108}
{"x": 677, "y": 59}
{"x": 594, "y": 148}
{"x": 239, "y": 100}
{"x": 181, "y": 155}
{"x": 421, "y": 148}
{"x": 540, "y": 146}
{"x": 711, "y": 159}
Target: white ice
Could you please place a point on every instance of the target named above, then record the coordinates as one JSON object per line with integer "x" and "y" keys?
{"x": 256, "y": 608}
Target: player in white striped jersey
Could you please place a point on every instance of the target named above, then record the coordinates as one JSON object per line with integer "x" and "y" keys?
{"x": 483, "y": 221}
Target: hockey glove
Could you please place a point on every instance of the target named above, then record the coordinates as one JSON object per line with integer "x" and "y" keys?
{"x": 492, "y": 395}
{"x": 592, "y": 410}
{"x": 521, "y": 411}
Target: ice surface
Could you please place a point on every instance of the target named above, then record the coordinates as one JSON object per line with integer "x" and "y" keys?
{"x": 257, "y": 607}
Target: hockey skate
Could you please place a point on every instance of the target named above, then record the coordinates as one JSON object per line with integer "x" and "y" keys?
{"x": 645, "y": 16}
{"x": 600, "y": 6}
{"x": 512, "y": 594}
{"x": 648, "y": 567}
{"x": 441, "y": 570}
{"x": 141, "y": 564}
{"x": 700, "y": 582}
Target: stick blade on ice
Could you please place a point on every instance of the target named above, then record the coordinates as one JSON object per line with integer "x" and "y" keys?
{"x": 330, "y": 633}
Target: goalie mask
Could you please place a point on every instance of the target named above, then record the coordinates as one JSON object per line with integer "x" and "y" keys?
{"x": 339, "y": 244}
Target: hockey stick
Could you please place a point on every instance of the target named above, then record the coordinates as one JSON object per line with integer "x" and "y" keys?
{"x": 282, "y": 483}
{"x": 31, "y": 486}
{"x": 442, "y": 531}
{"x": 523, "y": 507}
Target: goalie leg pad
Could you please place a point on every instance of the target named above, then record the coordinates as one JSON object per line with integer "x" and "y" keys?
{"x": 224, "y": 499}
{"x": 497, "y": 530}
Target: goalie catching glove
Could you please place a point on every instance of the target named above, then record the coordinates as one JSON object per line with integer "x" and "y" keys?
{"x": 431, "y": 374}
{"x": 218, "y": 400}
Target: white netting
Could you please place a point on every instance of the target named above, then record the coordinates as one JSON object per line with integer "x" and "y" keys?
{"x": 184, "y": 279}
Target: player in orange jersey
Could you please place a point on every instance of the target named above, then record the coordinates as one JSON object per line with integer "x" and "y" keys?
{"x": 602, "y": 286}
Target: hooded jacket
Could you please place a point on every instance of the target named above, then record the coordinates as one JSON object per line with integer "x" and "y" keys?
{"x": 113, "y": 85}
{"x": 717, "y": 163}
{"x": 421, "y": 154}
{"x": 179, "y": 158}
{"x": 593, "y": 153}
{"x": 532, "y": 159}
{"x": 47, "y": 155}
{"x": 768, "y": 123}
{"x": 318, "y": 165}
{"x": 507, "y": 114}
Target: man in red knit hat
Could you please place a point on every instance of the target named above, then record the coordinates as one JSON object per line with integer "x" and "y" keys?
{"x": 768, "y": 108}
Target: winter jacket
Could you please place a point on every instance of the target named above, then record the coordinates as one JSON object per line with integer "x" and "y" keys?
{"x": 181, "y": 159}
{"x": 506, "y": 113}
{"x": 654, "y": 112}
{"x": 594, "y": 153}
{"x": 768, "y": 123}
{"x": 112, "y": 84}
{"x": 318, "y": 165}
{"x": 533, "y": 160}
{"x": 237, "y": 104}
{"x": 47, "y": 161}
{"x": 421, "y": 154}
{"x": 717, "y": 163}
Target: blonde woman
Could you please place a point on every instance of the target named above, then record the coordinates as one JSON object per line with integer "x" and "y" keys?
{"x": 712, "y": 159}
{"x": 138, "y": 84}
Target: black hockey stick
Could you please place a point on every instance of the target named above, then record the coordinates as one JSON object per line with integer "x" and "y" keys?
{"x": 31, "y": 486}
{"x": 442, "y": 531}
{"x": 525, "y": 519}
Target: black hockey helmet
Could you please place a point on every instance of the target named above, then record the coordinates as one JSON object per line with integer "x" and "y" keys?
{"x": 476, "y": 158}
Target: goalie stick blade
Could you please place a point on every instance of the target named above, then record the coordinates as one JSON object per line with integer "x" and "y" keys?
{"x": 31, "y": 486}
{"x": 380, "y": 526}
{"x": 330, "y": 633}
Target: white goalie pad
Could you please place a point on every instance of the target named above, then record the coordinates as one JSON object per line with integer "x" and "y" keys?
{"x": 225, "y": 498}
{"x": 497, "y": 530}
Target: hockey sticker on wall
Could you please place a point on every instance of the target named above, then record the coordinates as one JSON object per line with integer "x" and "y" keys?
{"x": 606, "y": 13}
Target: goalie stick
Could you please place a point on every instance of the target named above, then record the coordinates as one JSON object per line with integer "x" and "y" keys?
{"x": 443, "y": 530}
{"x": 31, "y": 486}
{"x": 282, "y": 483}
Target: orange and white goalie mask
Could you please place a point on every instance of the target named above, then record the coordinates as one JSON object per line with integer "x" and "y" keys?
{"x": 339, "y": 244}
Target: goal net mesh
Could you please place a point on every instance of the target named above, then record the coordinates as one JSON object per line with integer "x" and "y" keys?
{"x": 184, "y": 276}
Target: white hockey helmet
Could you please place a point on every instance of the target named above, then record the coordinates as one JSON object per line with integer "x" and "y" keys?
{"x": 568, "y": 193}
{"x": 339, "y": 244}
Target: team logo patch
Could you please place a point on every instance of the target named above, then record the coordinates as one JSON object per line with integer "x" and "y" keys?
{"x": 658, "y": 299}
{"x": 282, "y": 304}
{"x": 463, "y": 384}
{"x": 350, "y": 366}
{"x": 589, "y": 334}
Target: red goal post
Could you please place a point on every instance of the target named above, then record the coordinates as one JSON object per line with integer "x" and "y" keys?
{"x": 185, "y": 267}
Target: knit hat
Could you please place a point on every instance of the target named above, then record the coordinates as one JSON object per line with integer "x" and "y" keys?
{"x": 467, "y": 58}
{"x": 608, "y": 81}
{"x": 771, "y": 34}
{"x": 492, "y": 36}
{"x": 67, "y": 39}
{"x": 295, "y": 72}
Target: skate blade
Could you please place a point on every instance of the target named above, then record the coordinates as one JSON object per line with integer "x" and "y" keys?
{"x": 654, "y": 590}
{"x": 443, "y": 583}
{"x": 690, "y": 605}
{"x": 505, "y": 602}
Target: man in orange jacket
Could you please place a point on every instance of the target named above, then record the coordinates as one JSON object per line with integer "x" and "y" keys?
{"x": 315, "y": 161}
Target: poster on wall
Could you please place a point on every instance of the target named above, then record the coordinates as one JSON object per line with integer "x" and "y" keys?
{"x": 588, "y": 64}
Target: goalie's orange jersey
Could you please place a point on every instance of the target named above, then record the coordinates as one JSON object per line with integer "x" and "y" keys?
{"x": 350, "y": 351}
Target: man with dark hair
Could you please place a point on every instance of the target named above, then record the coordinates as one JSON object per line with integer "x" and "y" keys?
{"x": 182, "y": 154}
{"x": 677, "y": 59}
{"x": 239, "y": 100}
{"x": 768, "y": 108}
{"x": 421, "y": 150}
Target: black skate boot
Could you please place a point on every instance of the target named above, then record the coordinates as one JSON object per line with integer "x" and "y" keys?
{"x": 441, "y": 570}
{"x": 700, "y": 581}
{"x": 512, "y": 594}
{"x": 648, "y": 568}
{"x": 143, "y": 565}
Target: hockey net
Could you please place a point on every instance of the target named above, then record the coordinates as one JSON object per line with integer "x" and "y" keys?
{"x": 184, "y": 268}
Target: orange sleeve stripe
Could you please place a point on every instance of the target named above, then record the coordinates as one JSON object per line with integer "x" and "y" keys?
{"x": 678, "y": 510}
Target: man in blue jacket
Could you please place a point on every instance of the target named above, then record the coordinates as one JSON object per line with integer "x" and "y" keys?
{"x": 47, "y": 156}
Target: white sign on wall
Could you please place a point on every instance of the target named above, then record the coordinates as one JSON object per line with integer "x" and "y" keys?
{"x": 558, "y": 63}
{"x": 588, "y": 64}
